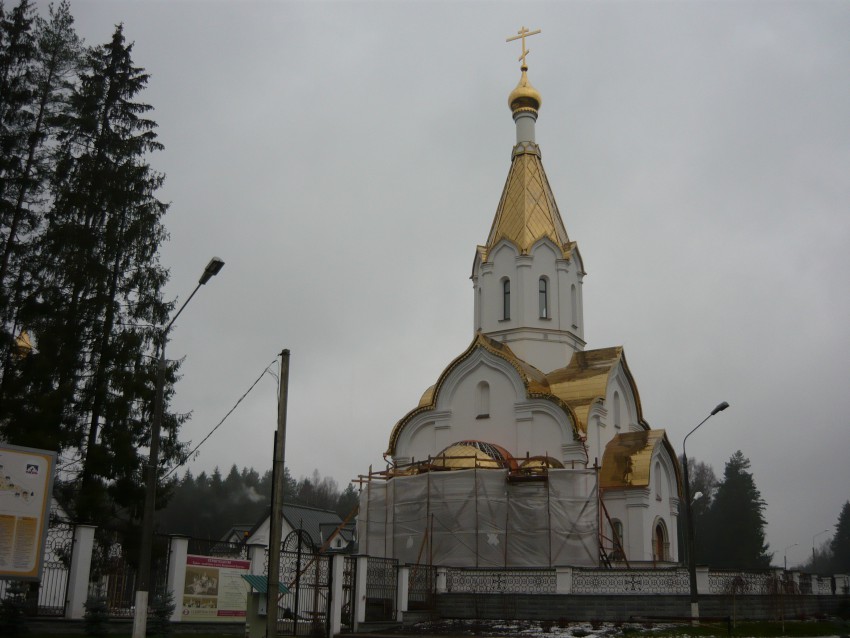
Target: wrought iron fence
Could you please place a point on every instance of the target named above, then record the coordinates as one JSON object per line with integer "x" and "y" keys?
{"x": 219, "y": 549}
{"x": 305, "y": 609}
{"x": 349, "y": 578}
{"x": 381, "y": 588}
{"x": 739, "y": 582}
{"x": 630, "y": 581}
{"x": 421, "y": 588}
{"x": 506, "y": 581}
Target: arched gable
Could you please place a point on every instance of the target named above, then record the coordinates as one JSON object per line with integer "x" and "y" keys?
{"x": 486, "y": 359}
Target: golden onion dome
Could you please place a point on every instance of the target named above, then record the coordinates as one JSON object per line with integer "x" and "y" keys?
{"x": 524, "y": 97}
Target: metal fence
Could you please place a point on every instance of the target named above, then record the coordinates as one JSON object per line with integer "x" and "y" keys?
{"x": 422, "y": 588}
{"x": 381, "y": 588}
{"x": 505, "y": 581}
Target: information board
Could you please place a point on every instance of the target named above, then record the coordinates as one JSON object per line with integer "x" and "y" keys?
{"x": 26, "y": 487}
{"x": 214, "y": 589}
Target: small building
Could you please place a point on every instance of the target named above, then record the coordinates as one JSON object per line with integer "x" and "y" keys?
{"x": 323, "y": 529}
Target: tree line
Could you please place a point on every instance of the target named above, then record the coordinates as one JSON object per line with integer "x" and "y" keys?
{"x": 729, "y": 522}
{"x": 209, "y": 505}
{"x": 81, "y": 285}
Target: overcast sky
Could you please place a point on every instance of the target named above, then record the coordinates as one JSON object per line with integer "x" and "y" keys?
{"x": 345, "y": 159}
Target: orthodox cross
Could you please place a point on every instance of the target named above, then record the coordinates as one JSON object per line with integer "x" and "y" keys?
{"x": 523, "y": 33}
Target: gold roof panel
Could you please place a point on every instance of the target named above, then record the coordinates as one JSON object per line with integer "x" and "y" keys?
{"x": 527, "y": 211}
{"x": 627, "y": 459}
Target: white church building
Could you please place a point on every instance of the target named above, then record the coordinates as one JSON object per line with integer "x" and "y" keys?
{"x": 530, "y": 450}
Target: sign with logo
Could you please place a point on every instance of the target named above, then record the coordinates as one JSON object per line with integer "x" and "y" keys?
{"x": 26, "y": 487}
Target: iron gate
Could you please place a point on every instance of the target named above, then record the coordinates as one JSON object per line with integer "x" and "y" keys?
{"x": 305, "y": 610}
{"x": 349, "y": 578}
{"x": 381, "y": 583}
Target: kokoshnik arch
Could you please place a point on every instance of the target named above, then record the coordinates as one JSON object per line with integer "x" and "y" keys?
{"x": 529, "y": 450}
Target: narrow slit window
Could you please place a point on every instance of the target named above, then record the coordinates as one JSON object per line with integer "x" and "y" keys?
{"x": 506, "y": 299}
{"x": 543, "y": 297}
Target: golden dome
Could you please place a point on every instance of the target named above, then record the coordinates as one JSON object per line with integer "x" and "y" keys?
{"x": 524, "y": 97}
{"x": 536, "y": 464}
{"x": 465, "y": 455}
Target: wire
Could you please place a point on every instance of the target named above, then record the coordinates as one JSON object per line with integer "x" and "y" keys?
{"x": 224, "y": 418}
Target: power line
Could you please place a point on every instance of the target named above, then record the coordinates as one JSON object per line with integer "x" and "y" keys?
{"x": 224, "y": 418}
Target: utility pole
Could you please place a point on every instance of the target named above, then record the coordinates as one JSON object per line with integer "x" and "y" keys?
{"x": 276, "y": 521}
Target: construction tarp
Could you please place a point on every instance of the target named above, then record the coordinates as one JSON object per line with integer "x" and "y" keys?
{"x": 478, "y": 518}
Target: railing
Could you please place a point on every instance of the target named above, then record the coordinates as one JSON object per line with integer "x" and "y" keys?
{"x": 505, "y": 581}
{"x": 421, "y": 588}
{"x": 381, "y": 588}
{"x": 219, "y": 549}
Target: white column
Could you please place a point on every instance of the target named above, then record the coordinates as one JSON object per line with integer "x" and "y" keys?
{"x": 402, "y": 585}
{"x": 337, "y": 568}
{"x": 177, "y": 573}
{"x": 359, "y": 595}
{"x": 442, "y": 576}
{"x": 78, "y": 577}
{"x": 703, "y": 588}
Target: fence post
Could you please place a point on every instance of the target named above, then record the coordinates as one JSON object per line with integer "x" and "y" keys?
{"x": 440, "y": 586}
{"x": 359, "y": 596}
{"x": 257, "y": 556}
{"x": 337, "y": 569}
{"x": 563, "y": 580}
{"x": 177, "y": 573}
{"x": 402, "y": 585}
{"x": 79, "y": 572}
{"x": 703, "y": 586}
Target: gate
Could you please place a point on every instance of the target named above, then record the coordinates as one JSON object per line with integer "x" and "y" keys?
{"x": 381, "y": 583}
{"x": 349, "y": 578}
{"x": 54, "y": 577}
{"x": 422, "y": 588}
{"x": 305, "y": 610}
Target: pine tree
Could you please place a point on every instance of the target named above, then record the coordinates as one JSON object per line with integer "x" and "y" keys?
{"x": 841, "y": 542}
{"x": 734, "y": 523}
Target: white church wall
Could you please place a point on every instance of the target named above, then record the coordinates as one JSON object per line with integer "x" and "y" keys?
{"x": 509, "y": 419}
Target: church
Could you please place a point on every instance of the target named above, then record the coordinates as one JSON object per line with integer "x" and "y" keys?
{"x": 530, "y": 450}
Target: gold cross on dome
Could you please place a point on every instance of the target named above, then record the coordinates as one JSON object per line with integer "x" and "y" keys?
{"x": 523, "y": 33}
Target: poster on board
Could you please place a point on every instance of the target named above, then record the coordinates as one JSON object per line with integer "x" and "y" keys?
{"x": 26, "y": 487}
{"x": 214, "y": 589}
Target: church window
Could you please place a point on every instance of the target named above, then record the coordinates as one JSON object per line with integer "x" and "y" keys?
{"x": 483, "y": 400}
{"x": 574, "y": 305}
{"x": 543, "y": 297}
{"x": 616, "y": 409}
{"x": 657, "y": 481}
{"x": 506, "y": 299}
{"x": 661, "y": 548}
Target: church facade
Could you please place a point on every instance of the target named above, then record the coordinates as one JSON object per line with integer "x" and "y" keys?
{"x": 530, "y": 450}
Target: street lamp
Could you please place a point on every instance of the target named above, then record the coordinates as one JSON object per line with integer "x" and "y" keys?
{"x": 692, "y": 565}
{"x": 140, "y": 615}
{"x": 785, "y": 551}
{"x": 813, "y": 546}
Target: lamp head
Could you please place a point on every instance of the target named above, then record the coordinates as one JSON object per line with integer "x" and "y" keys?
{"x": 719, "y": 408}
{"x": 212, "y": 269}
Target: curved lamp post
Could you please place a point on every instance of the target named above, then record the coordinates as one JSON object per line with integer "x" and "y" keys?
{"x": 813, "y": 546}
{"x": 140, "y": 614}
{"x": 692, "y": 565}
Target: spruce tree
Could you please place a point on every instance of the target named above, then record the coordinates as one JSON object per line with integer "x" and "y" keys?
{"x": 733, "y": 526}
{"x": 841, "y": 542}
{"x": 101, "y": 294}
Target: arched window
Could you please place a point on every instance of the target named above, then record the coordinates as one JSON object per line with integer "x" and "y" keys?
{"x": 506, "y": 299}
{"x": 574, "y": 305}
{"x": 543, "y": 297}
{"x": 660, "y": 548}
{"x": 483, "y": 400}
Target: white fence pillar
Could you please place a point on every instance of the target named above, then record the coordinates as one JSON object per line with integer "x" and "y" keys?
{"x": 442, "y": 576}
{"x": 563, "y": 580}
{"x": 80, "y": 571}
{"x": 257, "y": 556}
{"x": 176, "y": 582}
{"x": 703, "y": 586}
{"x": 337, "y": 568}
{"x": 402, "y": 588}
{"x": 359, "y": 595}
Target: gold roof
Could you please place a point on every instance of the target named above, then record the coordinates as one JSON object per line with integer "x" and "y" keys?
{"x": 536, "y": 384}
{"x": 584, "y": 382}
{"x": 628, "y": 458}
{"x": 527, "y": 211}
{"x": 524, "y": 97}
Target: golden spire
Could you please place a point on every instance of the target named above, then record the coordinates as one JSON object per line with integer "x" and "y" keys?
{"x": 524, "y": 97}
